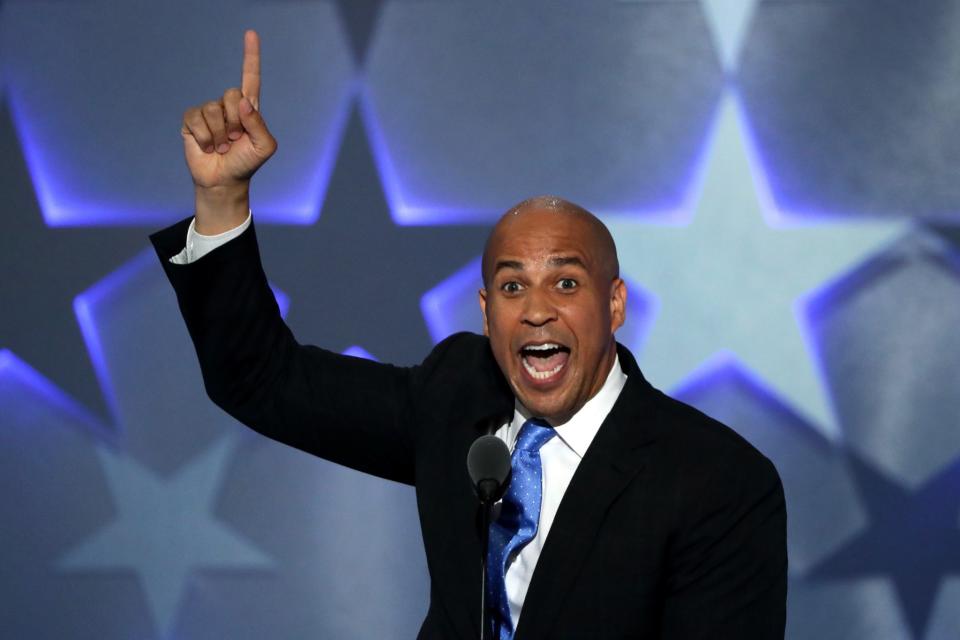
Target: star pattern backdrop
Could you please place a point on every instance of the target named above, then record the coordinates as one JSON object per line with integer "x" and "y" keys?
{"x": 779, "y": 176}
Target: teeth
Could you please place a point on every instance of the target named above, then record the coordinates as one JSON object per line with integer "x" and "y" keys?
{"x": 541, "y": 375}
{"x": 542, "y": 347}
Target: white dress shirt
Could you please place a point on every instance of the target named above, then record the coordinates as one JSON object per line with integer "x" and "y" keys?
{"x": 198, "y": 245}
{"x": 560, "y": 456}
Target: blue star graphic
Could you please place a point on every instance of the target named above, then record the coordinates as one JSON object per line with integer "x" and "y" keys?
{"x": 733, "y": 277}
{"x": 165, "y": 529}
{"x": 87, "y": 169}
{"x": 350, "y": 274}
{"x": 38, "y": 322}
{"x": 913, "y": 538}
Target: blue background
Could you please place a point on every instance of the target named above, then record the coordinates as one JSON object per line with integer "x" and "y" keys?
{"x": 781, "y": 178}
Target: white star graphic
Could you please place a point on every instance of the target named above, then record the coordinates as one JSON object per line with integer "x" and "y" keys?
{"x": 736, "y": 278}
{"x": 165, "y": 529}
{"x": 728, "y": 21}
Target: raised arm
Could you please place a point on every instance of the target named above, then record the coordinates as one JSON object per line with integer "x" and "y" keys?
{"x": 225, "y": 141}
{"x": 351, "y": 411}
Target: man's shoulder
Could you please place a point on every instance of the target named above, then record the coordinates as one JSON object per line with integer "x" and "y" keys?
{"x": 702, "y": 445}
{"x": 463, "y": 340}
{"x": 460, "y": 375}
{"x": 463, "y": 351}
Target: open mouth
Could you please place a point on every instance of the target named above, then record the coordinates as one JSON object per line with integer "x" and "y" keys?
{"x": 544, "y": 361}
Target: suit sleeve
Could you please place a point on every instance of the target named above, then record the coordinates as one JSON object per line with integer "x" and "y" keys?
{"x": 728, "y": 563}
{"x": 348, "y": 410}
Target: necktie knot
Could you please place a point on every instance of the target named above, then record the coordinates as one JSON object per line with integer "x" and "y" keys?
{"x": 534, "y": 433}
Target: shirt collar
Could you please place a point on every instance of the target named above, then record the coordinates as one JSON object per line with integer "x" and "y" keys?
{"x": 578, "y": 432}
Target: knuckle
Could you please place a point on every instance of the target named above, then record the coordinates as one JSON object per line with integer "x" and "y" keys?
{"x": 231, "y": 108}
{"x": 193, "y": 117}
{"x": 202, "y": 136}
{"x": 211, "y": 108}
{"x": 196, "y": 126}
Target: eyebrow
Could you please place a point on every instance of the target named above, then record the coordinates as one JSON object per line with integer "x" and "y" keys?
{"x": 556, "y": 261}
{"x": 508, "y": 264}
{"x": 564, "y": 261}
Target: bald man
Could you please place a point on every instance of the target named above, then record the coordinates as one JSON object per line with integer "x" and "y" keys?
{"x": 649, "y": 519}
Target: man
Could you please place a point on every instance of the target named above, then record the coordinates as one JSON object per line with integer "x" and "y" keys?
{"x": 630, "y": 516}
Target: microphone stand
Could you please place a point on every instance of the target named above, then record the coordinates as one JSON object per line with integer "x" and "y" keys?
{"x": 489, "y": 467}
{"x": 486, "y": 517}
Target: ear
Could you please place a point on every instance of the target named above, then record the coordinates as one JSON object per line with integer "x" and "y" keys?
{"x": 618, "y": 304}
{"x": 483, "y": 310}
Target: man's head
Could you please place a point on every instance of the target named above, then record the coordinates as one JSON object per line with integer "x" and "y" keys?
{"x": 552, "y": 299}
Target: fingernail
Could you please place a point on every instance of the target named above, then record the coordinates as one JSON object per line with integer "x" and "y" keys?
{"x": 235, "y": 135}
{"x": 208, "y": 149}
{"x": 245, "y": 106}
{"x": 223, "y": 148}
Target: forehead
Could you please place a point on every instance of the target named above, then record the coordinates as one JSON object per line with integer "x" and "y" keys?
{"x": 539, "y": 234}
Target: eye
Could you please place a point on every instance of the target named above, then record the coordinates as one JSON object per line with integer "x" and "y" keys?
{"x": 567, "y": 283}
{"x": 510, "y": 287}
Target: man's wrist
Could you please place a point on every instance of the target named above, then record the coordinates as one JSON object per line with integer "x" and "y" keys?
{"x": 220, "y": 209}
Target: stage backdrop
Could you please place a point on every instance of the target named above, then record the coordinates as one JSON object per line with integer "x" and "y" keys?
{"x": 782, "y": 181}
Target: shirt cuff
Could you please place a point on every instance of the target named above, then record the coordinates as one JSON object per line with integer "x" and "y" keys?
{"x": 199, "y": 245}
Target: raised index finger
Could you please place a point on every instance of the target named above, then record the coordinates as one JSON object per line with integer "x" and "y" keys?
{"x": 250, "y": 81}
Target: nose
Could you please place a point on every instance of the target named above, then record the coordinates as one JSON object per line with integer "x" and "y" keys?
{"x": 538, "y": 308}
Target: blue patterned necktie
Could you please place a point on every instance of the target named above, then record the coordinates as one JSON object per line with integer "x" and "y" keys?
{"x": 519, "y": 516}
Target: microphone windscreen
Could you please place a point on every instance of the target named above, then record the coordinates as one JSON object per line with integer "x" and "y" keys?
{"x": 488, "y": 459}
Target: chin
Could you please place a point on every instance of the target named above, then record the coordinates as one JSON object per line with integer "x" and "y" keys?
{"x": 555, "y": 410}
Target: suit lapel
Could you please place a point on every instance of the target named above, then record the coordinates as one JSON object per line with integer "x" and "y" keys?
{"x": 613, "y": 460}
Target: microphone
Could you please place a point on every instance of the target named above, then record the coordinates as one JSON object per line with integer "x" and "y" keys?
{"x": 488, "y": 463}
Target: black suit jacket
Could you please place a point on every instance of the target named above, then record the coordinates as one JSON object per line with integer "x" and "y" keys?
{"x": 672, "y": 527}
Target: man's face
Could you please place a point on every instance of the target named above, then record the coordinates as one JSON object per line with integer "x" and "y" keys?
{"x": 550, "y": 309}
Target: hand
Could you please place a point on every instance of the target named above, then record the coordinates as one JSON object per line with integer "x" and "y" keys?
{"x": 225, "y": 141}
